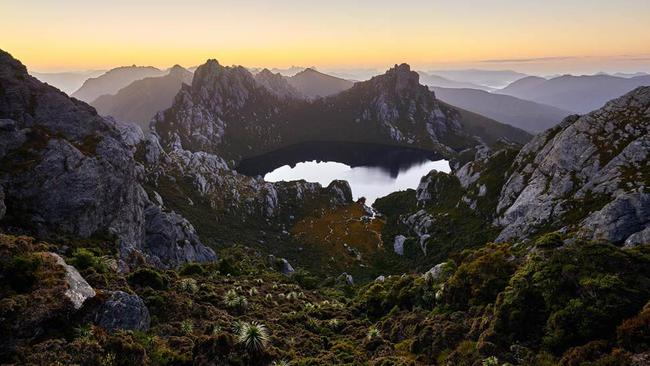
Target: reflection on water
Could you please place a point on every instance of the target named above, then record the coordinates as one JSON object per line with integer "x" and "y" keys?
{"x": 371, "y": 182}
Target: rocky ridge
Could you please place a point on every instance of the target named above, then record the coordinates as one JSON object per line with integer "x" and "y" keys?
{"x": 227, "y": 112}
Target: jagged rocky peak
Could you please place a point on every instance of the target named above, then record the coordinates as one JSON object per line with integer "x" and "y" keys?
{"x": 402, "y": 77}
{"x": 589, "y": 174}
{"x": 276, "y": 84}
{"x": 177, "y": 69}
{"x": 66, "y": 170}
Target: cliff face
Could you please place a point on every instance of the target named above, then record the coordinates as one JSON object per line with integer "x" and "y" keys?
{"x": 67, "y": 170}
{"x": 590, "y": 174}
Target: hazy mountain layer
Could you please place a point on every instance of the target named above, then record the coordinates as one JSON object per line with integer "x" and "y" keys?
{"x": 312, "y": 83}
{"x": 67, "y": 82}
{"x": 580, "y": 94}
{"x": 488, "y": 78}
{"x": 142, "y": 99}
{"x": 439, "y": 81}
{"x": 530, "y": 116}
{"x": 114, "y": 80}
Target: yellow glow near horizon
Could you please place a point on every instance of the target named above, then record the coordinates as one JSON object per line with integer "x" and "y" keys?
{"x": 74, "y": 34}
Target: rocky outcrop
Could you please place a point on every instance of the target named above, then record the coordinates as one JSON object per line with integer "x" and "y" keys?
{"x": 590, "y": 174}
{"x": 66, "y": 170}
{"x": 123, "y": 311}
{"x": 78, "y": 290}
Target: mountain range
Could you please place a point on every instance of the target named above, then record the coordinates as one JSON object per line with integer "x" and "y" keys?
{"x": 488, "y": 78}
{"x": 579, "y": 94}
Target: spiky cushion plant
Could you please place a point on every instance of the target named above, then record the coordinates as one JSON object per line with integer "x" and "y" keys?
{"x": 254, "y": 336}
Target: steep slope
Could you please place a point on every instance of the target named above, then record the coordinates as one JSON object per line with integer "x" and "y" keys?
{"x": 67, "y": 82}
{"x": 529, "y": 116}
{"x": 580, "y": 94}
{"x": 589, "y": 174}
{"x": 141, "y": 100}
{"x": 114, "y": 80}
{"x": 312, "y": 83}
{"x": 66, "y": 171}
{"x": 227, "y": 112}
{"x": 439, "y": 81}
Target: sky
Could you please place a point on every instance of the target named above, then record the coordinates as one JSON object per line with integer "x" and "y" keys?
{"x": 535, "y": 36}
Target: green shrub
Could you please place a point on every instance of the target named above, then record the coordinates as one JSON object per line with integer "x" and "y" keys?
{"x": 20, "y": 272}
{"x": 190, "y": 269}
{"x": 149, "y": 277}
{"x": 83, "y": 258}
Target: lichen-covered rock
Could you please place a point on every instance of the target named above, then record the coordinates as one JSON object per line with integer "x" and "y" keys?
{"x": 78, "y": 290}
{"x": 590, "y": 173}
{"x": 123, "y": 311}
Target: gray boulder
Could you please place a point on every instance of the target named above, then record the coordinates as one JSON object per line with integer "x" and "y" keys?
{"x": 78, "y": 290}
{"x": 123, "y": 311}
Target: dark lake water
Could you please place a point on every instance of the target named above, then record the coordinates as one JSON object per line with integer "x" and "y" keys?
{"x": 373, "y": 171}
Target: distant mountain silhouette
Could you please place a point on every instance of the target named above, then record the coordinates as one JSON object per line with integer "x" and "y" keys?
{"x": 442, "y": 82}
{"x": 629, "y": 75}
{"x": 579, "y": 94}
{"x": 312, "y": 83}
{"x": 67, "y": 82}
{"x": 114, "y": 80}
{"x": 142, "y": 99}
{"x": 520, "y": 113}
{"x": 490, "y": 78}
